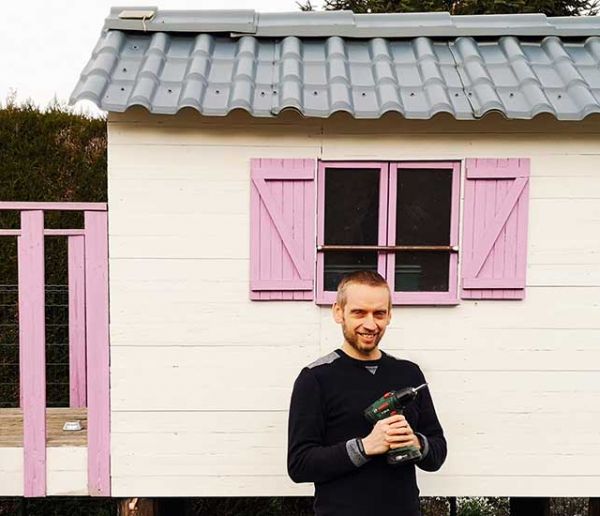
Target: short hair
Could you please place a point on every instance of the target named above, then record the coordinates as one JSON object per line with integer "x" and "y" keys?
{"x": 371, "y": 278}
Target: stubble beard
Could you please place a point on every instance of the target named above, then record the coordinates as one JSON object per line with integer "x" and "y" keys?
{"x": 353, "y": 340}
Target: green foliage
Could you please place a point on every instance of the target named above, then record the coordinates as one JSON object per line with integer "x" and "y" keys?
{"x": 479, "y": 506}
{"x": 48, "y": 155}
{"x": 51, "y": 155}
{"x": 58, "y": 506}
{"x": 289, "y": 506}
{"x": 547, "y": 7}
{"x": 435, "y": 506}
{"x": 251, "y": 506}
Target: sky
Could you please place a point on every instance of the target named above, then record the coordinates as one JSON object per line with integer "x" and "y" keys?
{"x": 45, "y": 44}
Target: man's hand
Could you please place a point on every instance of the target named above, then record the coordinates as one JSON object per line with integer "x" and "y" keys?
{"x": 392, "y": 432}
{"x": 400, "y": 434}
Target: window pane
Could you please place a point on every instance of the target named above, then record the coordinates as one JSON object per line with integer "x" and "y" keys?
{"x": 422, "y": 271}
{"x": 338, "y": 264}
{"x": 351, "y": 206}
{"x": 423, "y": 207}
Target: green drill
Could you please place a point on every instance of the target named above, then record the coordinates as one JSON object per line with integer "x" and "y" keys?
{"x": 390, "y": 404}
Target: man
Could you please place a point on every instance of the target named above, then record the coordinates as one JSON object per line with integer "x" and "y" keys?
{"x": 330, "y": 441}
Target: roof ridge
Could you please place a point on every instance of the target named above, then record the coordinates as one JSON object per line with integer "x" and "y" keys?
{"x": 347, "y": 24}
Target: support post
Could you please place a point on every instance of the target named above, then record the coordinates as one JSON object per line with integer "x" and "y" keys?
{"x": 98, "y": 397}
{"x": 32, "y": 350}
{"x": 453, "y": 507}
{"x": 529, "y": 506}
{"x": 138, "y": 507}
{"x": 167, "y": 506}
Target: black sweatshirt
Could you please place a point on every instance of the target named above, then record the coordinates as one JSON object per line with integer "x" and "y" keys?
{"x": 326, "y": 418}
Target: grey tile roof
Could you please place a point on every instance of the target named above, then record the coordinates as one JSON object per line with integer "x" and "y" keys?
{"x": 363, "y": 75}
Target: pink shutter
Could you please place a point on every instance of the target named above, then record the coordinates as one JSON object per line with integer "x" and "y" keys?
{"x": 494, "y": 249}
{"x": 282, "y": 229}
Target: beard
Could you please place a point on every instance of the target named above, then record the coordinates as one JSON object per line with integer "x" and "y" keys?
{"x": 364, "y": 348}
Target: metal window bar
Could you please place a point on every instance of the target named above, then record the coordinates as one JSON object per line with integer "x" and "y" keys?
{"x": 451, "y": 248}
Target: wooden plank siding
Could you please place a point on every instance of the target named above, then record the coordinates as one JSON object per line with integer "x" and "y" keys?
{"x": 66, "y": 471}
{"x": 201, "y": 376}
{"x": 11, "y": 472}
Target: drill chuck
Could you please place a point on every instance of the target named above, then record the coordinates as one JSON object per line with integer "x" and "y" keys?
{"x": 391, "y": 403}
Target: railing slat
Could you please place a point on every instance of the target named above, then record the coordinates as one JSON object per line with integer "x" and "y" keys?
{"x": 32, "y": 337}
{"x": 77, "y": 373}
{"x": 47, "y": 232}
{"x": 96, "y": 295}
{"x": 53, "y": 206}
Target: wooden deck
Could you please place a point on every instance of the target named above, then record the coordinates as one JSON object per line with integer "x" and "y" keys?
{"x": 11, "y": 427}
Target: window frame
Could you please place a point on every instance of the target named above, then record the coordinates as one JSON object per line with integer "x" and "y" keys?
{"x": 387, "y": 228}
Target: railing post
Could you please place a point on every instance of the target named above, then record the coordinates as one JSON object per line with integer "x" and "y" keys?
{"x": 77, "y": 366}
{"x": 32, "y": 345}
{"x": 96, "y": 295}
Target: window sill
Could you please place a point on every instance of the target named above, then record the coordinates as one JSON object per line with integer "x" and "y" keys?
{"x": 403, "y": 299}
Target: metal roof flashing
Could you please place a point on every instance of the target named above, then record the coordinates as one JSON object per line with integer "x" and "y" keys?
{"x": 208, "y": 21}
{"x": 349, "y": 25}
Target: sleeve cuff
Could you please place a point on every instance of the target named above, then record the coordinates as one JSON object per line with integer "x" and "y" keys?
{"x": 424, "y": 445}
{"x": 354, "y": 452}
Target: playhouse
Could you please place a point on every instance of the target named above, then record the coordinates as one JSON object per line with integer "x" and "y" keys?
{"x": 254, "y": 159}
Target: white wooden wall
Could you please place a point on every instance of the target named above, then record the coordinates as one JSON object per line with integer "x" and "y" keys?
{"x": 66, "y": 471}
{"x": 201, "y": 376}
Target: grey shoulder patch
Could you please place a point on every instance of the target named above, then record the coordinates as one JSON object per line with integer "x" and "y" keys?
{"x": 327, "y": 359}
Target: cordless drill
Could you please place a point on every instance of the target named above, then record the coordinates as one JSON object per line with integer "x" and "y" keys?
{"x": 390, "y": 404}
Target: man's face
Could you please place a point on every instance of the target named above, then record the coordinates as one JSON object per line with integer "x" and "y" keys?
{"x": 365, "y": 316}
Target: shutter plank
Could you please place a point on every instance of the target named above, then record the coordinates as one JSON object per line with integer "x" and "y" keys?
{"x": 288, "y": 214}
{"x": 497, "y": 250}
{"x": 255, "y": 238}
{"x": 275, "y": 210}
{"x": 265, "y": 253}
{"x": 521, "y": 229}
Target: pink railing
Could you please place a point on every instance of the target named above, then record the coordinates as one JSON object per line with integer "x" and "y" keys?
{"x": 88, "y": 336}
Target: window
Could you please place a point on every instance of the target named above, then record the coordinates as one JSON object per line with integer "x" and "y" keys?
{"x": 399, "y": 218}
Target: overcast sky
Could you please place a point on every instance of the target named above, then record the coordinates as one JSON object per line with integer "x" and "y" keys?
{"x": 44, "y": 44}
